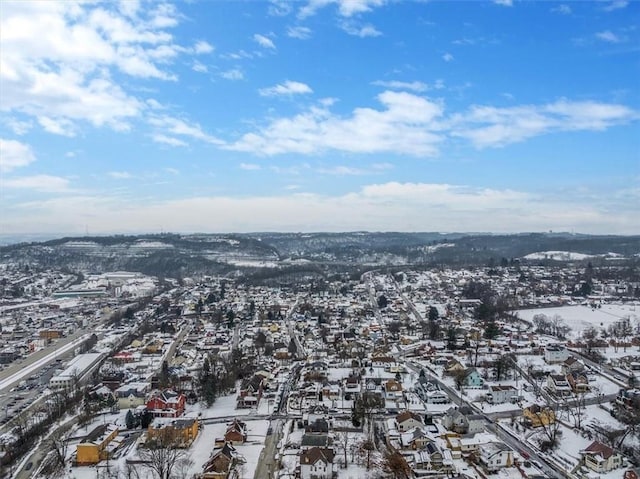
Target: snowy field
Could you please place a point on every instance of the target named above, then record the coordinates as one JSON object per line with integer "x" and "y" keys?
{"x": 579, "y": 318}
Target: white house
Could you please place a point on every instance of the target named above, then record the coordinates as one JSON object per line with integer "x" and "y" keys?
{"x": 555, "y": 353}
{"x": 316, "y": 463}
{"x": 408, "y": 420}
{"x": 600, "y": 458}
{"x": 501, "y": 394}
{"x": 558, "y": 384}
{"x": 496, "y": 455}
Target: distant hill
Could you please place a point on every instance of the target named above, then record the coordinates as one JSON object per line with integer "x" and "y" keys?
{"x": 266, "y": 254}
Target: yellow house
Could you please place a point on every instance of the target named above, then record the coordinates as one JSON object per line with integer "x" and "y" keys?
{"x": 274, "y": 327}
{"x": 537, "y": 416}
{"x": 93, "y": 447}
{"x": 179, "y": 432}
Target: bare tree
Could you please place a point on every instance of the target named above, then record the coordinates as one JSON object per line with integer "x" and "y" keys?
{"x": 58, "y": 445}
{"x": 458, "y": 378}
{"x": 396, "y": 466}
{"x": 547, "y": 419}
{"x": 575, "y": 408}
{"x": 129, "y": 472}
{"x": 344, "y": 440}
{"x": 367, "y": 447}
{"x": 163, "y": 454}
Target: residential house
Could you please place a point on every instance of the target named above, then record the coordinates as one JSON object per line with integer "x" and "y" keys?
{"x": 633, "y": 473}
{"x": 537, "y": 416}
{"x": 317, "y": 463}
{"x": 415, "y": 439}
{"x": 94, "y": 447}
{"x": 393, "y": 389}
{"x": 578, "y": 382}
{"x": 319, "y": 425}
{"x": 221, "y": 463}
{"x": 315, "y": 440}
{"x": 250, "y": 392}
{"x": 430, "y": 457}
{"x": 558, "y": 385}
{"x": 463, "y": 420}
{"x": 472, "y": 379}
{"x": 555, "y": 353}
{"x": 429, "y": 391}
{"x": 236, "y": 433}
{"x": 132, "y": 395}
{"x": 453, "y": 367}
{"x": 572, "y": 365}
{"x": 628, "y": 399}
{"x": 407, "y": 420}
{"x": 167, "y": 403}
{"x": 495, "y": 456}
{"x": 600, "y": 458}
{"x": 178, "y": 432}
{"x": 501, "y": 394}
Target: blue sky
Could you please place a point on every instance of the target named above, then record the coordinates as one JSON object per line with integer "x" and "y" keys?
{"x": 333, "y": 115}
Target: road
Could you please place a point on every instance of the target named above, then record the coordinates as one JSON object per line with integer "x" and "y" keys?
{"x": 267, "y": 463}
{"x": 300, "y": 351}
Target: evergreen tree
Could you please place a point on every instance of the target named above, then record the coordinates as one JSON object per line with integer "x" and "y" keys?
{"x": 130, "y": 420}
{"x": 491, "y": 330}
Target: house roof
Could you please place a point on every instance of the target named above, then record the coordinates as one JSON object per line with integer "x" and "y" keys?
{"x": 599, "y": 449}
{"x": 315, "y": 440}
{"x": 406, "y": 415}
{"x": 316, "y": 454}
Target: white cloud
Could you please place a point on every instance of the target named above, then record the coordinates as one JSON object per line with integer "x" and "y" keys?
{"x": 167, "y": 140}
{"x": 341, "y": 170}
{"x": 407, "y": 124}
{"x": 14, "y": 154}
{"x": 504, "y": 3}
{"x": 233, "y": 74}
{"x": 382, "y": 166}
{"x": 385, "y": 206}
{"x": 608, "y": 36}
{"x": 59, "y": 60}
{"x": 416, "y": 86}
{"x": 301, "y": 33}
{"x": 286, "y": 88}
{"x": 120, "y": 175}
{"x": 562, "y": 9}
{"x": 279, "y": 8}
{"x": 263, "y": 41}
{"x": 250, "y": 166}
{"x": 202, "y": 47}
{"x": 447, "y": 57}
{"x": 362, "y": 31}
{"x": 43, "y": 183}
{"x": 57, "y": 126}
{"x": 199, "y": 67}
{"x": 487, "y": 126}
{"x": 19, "y": 127}
{"x": 179, "y": 127}
{"x": 172, "y": 171}
{"x": 616, "y": 5}
{"x": 346, "y": 8}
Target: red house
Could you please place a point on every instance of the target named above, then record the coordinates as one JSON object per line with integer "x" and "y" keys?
{"x": 166, "y": 403}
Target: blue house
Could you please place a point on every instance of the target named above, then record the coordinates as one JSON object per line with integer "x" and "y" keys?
{"x": 472, "y": 378}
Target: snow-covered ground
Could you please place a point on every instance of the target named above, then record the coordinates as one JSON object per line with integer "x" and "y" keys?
{"x": 579, "y": 318}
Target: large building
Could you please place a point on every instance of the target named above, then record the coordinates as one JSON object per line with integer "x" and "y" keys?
{"x": 75, "y": 371}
